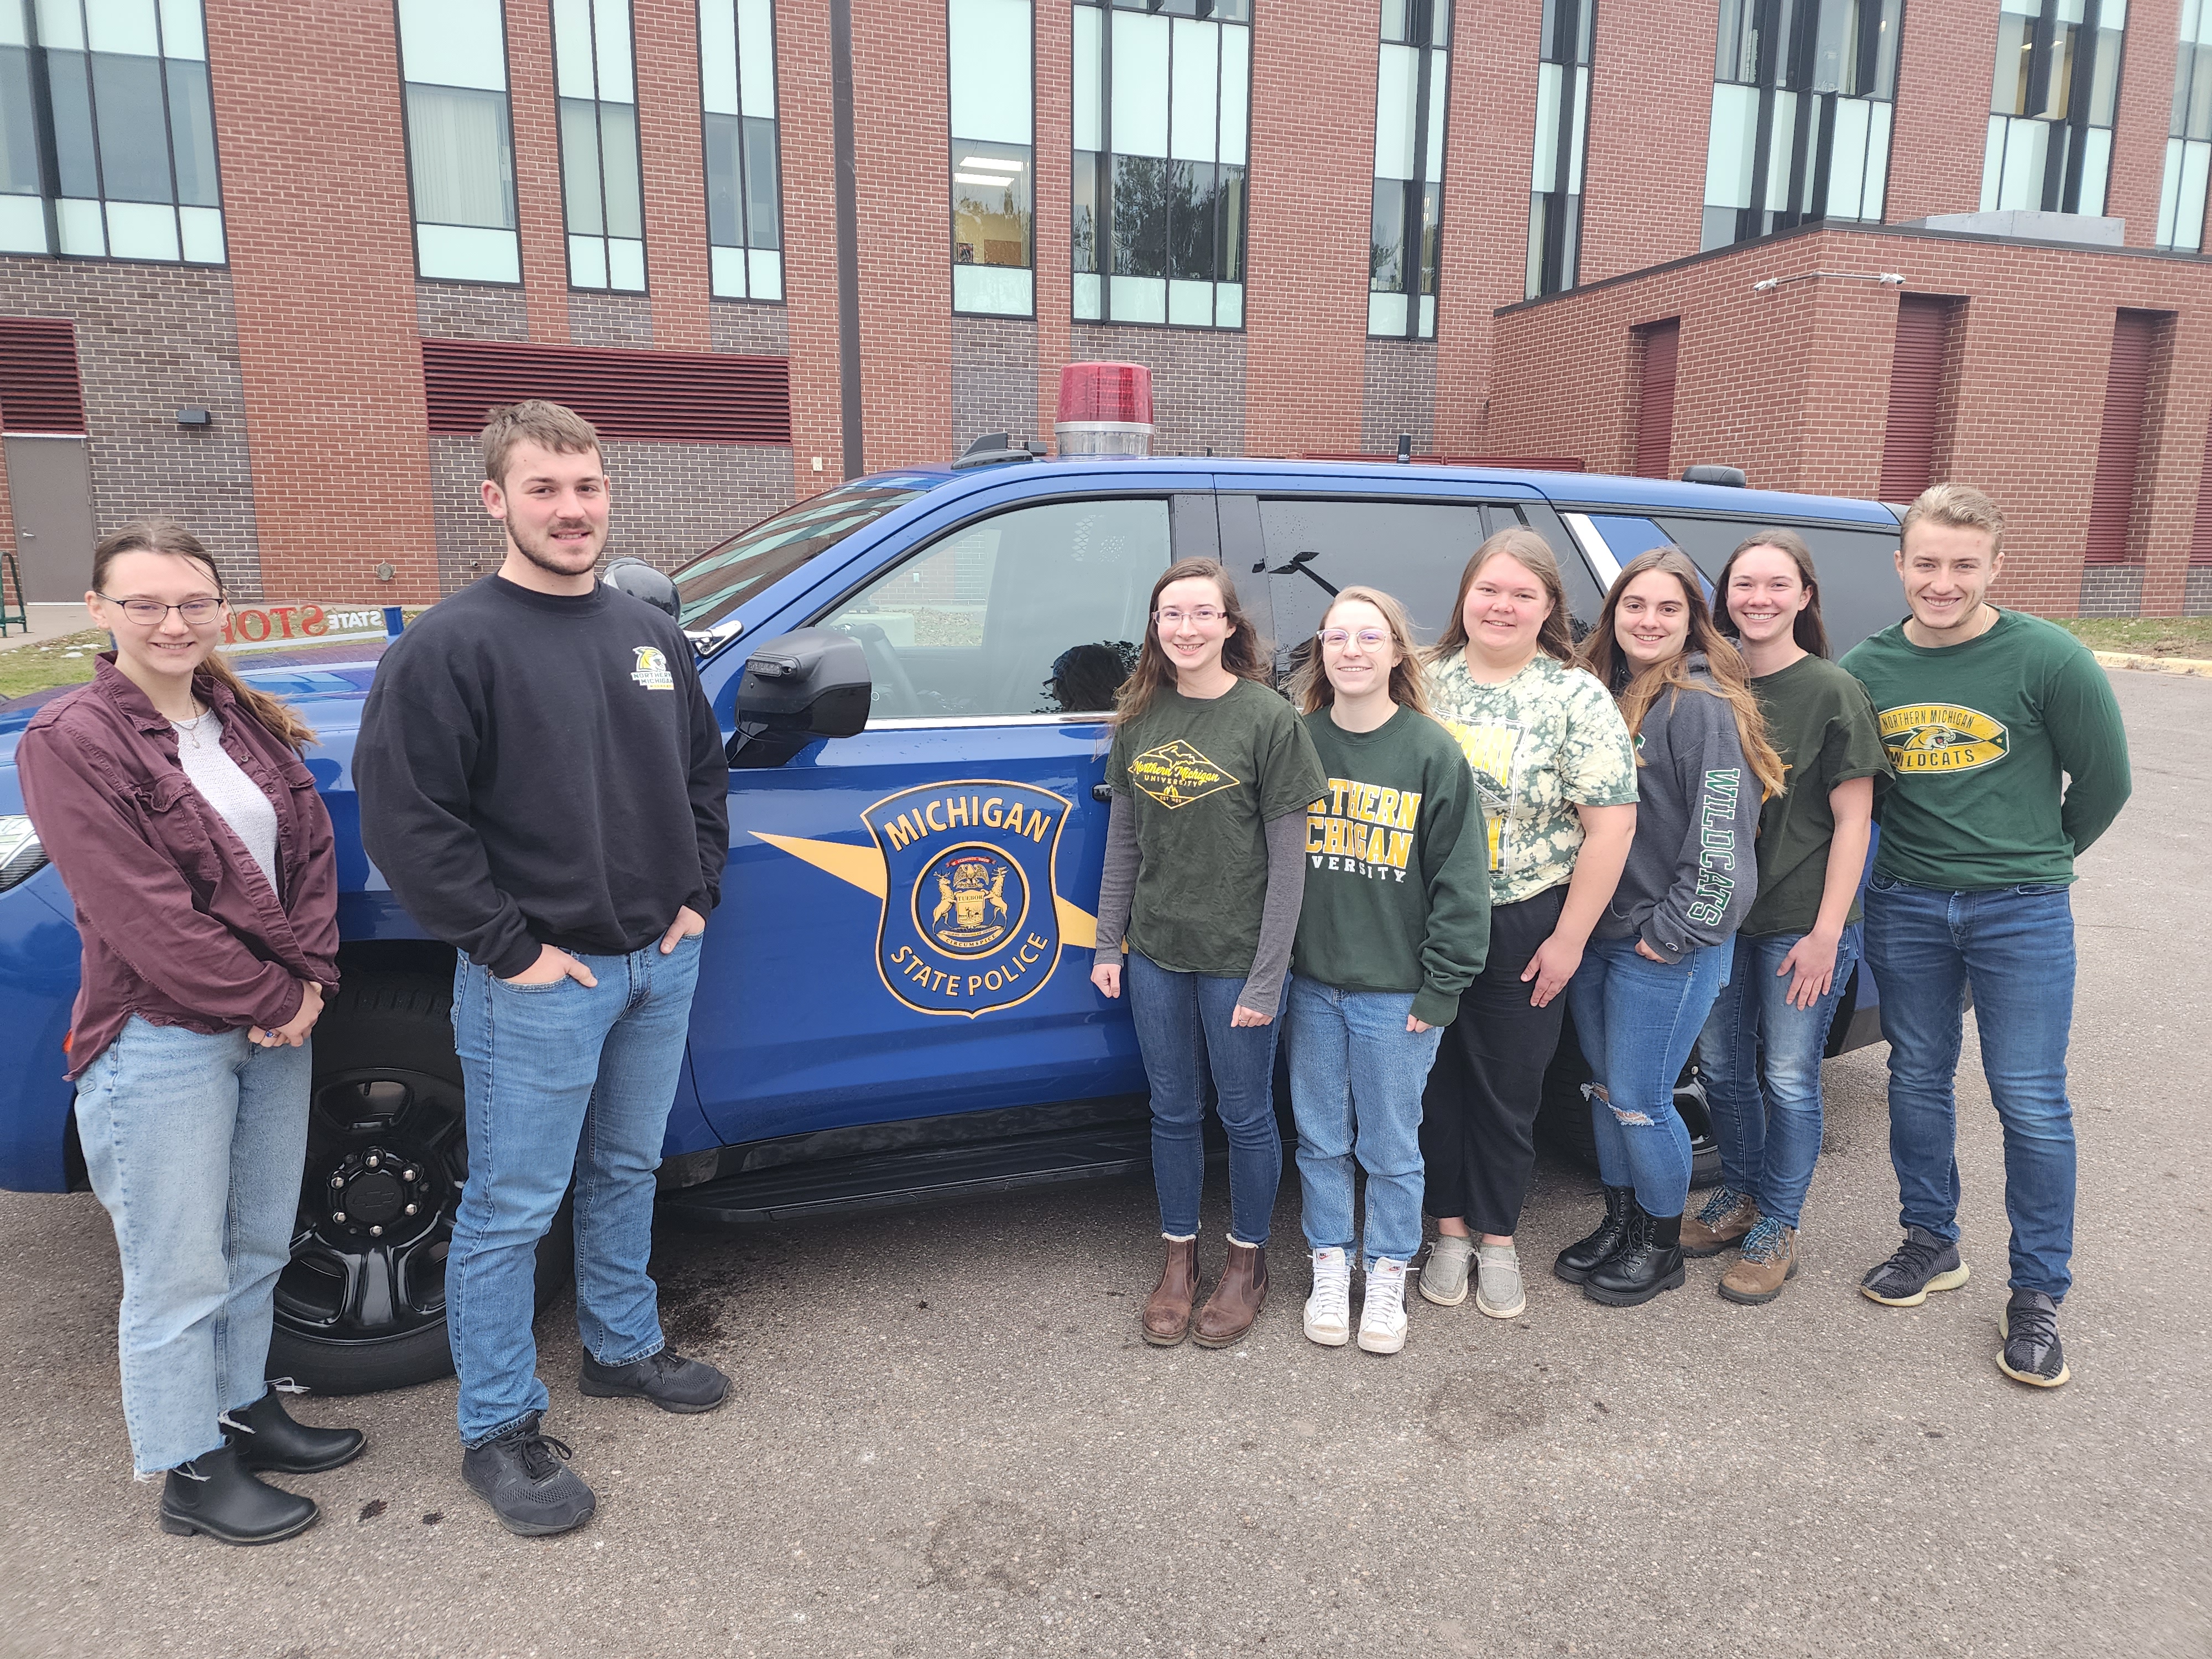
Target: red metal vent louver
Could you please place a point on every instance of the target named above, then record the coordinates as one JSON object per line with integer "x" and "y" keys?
{"x": 38, "y": 387}
{"x": 665, "y": 396}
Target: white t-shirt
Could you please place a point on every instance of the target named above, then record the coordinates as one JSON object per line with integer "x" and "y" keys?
{"x": 223, "y": 783}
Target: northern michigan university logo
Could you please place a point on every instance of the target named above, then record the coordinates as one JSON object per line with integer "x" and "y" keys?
{"x": 1175, "y": 774}
{"x": 1942, "y": 737}
{"x": 652, "y": 670}
{"x": 966, "y": 873}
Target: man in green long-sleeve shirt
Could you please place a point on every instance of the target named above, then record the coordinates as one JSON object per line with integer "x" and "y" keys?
{"x": 2011, "y": 760}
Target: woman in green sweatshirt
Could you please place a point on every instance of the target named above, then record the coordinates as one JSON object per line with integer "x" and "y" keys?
{"x": 1395, "y": 925}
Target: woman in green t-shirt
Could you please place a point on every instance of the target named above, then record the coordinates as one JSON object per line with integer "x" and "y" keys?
{"x": 1211, "y": 773}
{"x": 1557, "y": 777}
{"x": 1794, "y": 953}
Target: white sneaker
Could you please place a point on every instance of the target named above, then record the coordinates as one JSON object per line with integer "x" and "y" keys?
{"x": 1328, "y": 1309}
{"x": 1382, "y": 1316}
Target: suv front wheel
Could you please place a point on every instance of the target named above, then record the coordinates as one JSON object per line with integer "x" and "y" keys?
{"x": 361, "y": 1305}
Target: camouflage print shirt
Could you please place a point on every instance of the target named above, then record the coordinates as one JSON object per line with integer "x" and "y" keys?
{"x": 1542, "y": 744}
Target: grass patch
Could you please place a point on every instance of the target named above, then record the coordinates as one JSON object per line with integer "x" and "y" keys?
{"x": 2147, "y": 636}
{"x": 28, "y": 668}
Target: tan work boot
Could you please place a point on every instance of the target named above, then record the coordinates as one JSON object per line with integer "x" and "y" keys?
{"x": 1768, "y": 1262}
{"x": 1237, "y": 1300}
{"x": 1167, "y": 1311}
{"x": 1727, "y": 1216}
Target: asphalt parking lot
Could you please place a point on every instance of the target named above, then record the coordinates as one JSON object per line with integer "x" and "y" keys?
{"x": 949, "y": 1439}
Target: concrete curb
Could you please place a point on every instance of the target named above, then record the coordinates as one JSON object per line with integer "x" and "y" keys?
{"x": 2200, "y": 669}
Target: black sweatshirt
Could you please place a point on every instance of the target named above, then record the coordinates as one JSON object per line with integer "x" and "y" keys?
{"x": 536, "y": 769}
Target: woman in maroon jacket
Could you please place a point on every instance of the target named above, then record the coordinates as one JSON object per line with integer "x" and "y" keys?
{"x": 174, "y": 803}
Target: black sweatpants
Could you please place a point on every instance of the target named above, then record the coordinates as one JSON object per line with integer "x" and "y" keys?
{"x": 1479, "y": 1112}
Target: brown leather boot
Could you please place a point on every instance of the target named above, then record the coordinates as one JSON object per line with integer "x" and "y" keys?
{"x": 1167, "y": 1311}
{"x": 1768, "y": 1262}
{"x": 1714, "y": 1229}
{"x": 1237, "y": 1300}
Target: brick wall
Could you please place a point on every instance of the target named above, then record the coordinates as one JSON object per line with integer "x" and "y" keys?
{"x": 995, "y": 379}
{"x": 1651, "y": 99}
{"x": 1945, "y": 63}
{"x": 1055, "y": 260}
{"x": 749, "y": 328}
{"x": 1399, "y": 395}
{"x": 1791, "y": 383}
{"x": 468, "y": 311}
{"x": 675, "y": 169}
{"x": 1198, "y": 382}
{"x": 537, "y": 170}
{"x": 151, "y": 340}
{"x": 624, "y": 321}
{"x": 2140, "y": 125}
{"x": 810, "y": 240}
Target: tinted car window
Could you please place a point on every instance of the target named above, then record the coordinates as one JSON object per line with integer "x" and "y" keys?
{"x": 1859, "y": 590}
{"x": 1413, "y": 550}
{"x": 1038, "y": 610}
{"x": 1584, "y": 598}
{"x": 719, "y": 581}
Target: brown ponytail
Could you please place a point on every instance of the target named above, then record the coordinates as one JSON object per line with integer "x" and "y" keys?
{"x": 168, "y": 537}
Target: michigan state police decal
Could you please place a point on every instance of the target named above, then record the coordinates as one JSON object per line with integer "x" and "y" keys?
{"x": 970, "y": 923}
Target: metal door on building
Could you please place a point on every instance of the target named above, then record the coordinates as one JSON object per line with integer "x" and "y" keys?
{"x": 49, "y": 492}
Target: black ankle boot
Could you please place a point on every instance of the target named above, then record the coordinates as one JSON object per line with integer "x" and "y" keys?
{"x": 218, "y": 1495}
{"x": 1649, "y": 1262}
{"x": 266, "y": 1438}
{"x": 1575, "y": 1261}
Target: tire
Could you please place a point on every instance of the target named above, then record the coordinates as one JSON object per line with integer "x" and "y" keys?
{"x": 361, "y": 1306}
{"x": 1564, "y": 1117}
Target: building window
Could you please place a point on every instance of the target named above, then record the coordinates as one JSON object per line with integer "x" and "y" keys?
{"x": 1803, "y": 94}
{"x": 107, "y": 133}
{"x": 744, "y": 193}
{"x": 2188, "y": 141}
{"x": 460, "y": 144}
{"x": 2050, "y": 110}
{"x": 602, "y": 190}
{"x": 992, "y": 155}
{"x": 1161, "y": 105}
{"x": 1555, "y": 180}
{"x": 1411, "y": 77}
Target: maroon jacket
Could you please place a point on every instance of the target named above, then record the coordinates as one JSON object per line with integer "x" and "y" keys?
{"x": 178, "y": 924}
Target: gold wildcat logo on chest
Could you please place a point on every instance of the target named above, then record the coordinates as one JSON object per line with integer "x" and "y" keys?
{"x": 1175, "y": 774}
{"x": 652, "y": 670}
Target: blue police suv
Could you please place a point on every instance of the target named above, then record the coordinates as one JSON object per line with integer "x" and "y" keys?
{"x": 894, "y": 998}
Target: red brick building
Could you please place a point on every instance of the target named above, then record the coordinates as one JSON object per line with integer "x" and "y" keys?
{"x": 768, "y": 243}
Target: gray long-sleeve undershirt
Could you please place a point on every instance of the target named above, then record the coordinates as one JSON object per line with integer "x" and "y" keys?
{"x": 1279, "y": 916}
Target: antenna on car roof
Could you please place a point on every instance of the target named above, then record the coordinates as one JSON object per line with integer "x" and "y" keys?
{"x": 1405, "y": 449}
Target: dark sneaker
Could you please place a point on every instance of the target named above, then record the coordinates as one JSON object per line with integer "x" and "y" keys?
{"x": 1923, "y": 1263}
{"x": 2031, "y": 1354}
{"x": 524, "y": 1474}
{"x": 671, "y": 1382}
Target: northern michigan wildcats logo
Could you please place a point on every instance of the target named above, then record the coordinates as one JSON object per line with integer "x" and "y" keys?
{"x": 652, "y": 670}
{"x": 1942, "y": 737}
{"x": 1176, "y": 774}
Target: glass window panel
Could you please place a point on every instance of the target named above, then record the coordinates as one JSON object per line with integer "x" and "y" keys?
{"x": 83, "y": 227}
{"x": 1229, "y": 241}
{"x": 718, "y": 57}
{"x": 191, "y": 133}
{"x": 726, "y": 267}
{"x": 134, "y": 154}
{"x": 1439, "y": 80}
{"x": 2015, "y": 42}
{"x": 459, "y": 157}
{"x": 992, "y": 83}
{"x": 19, "y": 133}
{"x": 1139, "y": 299}
{"x": 1835, "y": 45}
{"x": 1386, "y": 315}
{"x": 764, "y": 195}
{"x": 1718, "y": 228}
{"x": 140, "y": 230}
{"x": 1781, "y": 142}
{"x": 1395, "y": 23}
{"x": 2096, "y": 167}
{"x": 1581, "y": 125}
{"x": 1235, "y": 90}
{"x": 1413, "y": 551}
{"x": 618, "y": 151}
{"x": 1229, "y": 305}
{"x": 756, "y": 58}
{"x": 1544, "y": 155}
{"x": 61, "y": 26}
{"x": 1190, "y": 305}
{"x": 2200, "y": 93}
{"x": 23, "y": 225}
{"x": 2189, "y": 214}
{"x": 1847, "y": 158}
{"x": 1993, "y": 163}
{"x": 1191, "y": 216}
{"x": 124, "y": 26}
{"x": 1085, "y": 299}
{"x": 726, "y": 224}
{"x": 454, "y": 43}
{"x": 1885, "y": 49}
{"x": 1440, "y": 21}
{"x": 70, "y": 97}
{"x": 1428, "y": 316}
{"x": 183, "y": 33}
{"x": 1730, "y": 146}
{"x": 1192, "y": 119}
{"x": 1874, "y": 200}
{"x": 202, "y": 229}
{"x": 1083, "y": 215}
{"x": 1736, "y": 56}
{"x": 579, "y": 167}
{"x": 14, "y": 25}
{"x": 2026, "y": 147}
{"x": 574, "y": 74}
{"x": 2169, "y": 192}
{"x": 626, "y": 264}
{"x": 1397, "y": 81}
{"x": 992, "y": 212}
{"x": 1140, "y": 85}
{"x": 464, "y": 254}
{"x": 1386, "y": 240}
{"x": 587, "y": 261}
{"x": 610, "y": 30}
{"x": 1089, "y": 79}
{"x": 765, "y": 268}
{"x": 2105, "y": 78}
{"x": 993, "y": 290}
{"x": 1140, "y": 217}
{"x": 2049, "y": 100}
{"x": 1433, "y": 203}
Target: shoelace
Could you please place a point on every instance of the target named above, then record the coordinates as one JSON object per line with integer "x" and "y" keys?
{"x": 1332, "y": 1281}
{"x": 1725, "y": 1202}
{"x": 1764, "y": 1241}
{"x": 1913, "y": 1260}
{"x": 2027, "y": 1321}
{"x": 536, "y": 1453}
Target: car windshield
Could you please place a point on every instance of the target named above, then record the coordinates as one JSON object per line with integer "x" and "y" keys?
{"x": 717, "y": 581}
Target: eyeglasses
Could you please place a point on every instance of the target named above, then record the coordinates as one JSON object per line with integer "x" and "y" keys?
{"x": 152, "y": 613}
{"x": 1204, "y": 616}
{"x": 1370, "y": 638}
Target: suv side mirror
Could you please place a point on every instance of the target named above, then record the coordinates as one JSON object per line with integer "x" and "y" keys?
{"x": 811, "y": 682}
{"x": 643, "y": 581}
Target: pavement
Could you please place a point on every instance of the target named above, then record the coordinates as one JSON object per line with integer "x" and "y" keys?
{"x": 947, "y": 1439}
{"x": 47, "y": 621}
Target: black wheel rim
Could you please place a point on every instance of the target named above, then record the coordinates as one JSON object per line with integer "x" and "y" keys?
{"x": 366, "y": 1267}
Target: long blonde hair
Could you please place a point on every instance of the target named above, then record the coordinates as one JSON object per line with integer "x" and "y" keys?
{"x": 1310, "y": 686}
{"x": 1555, "y": 639}
{"x": 1602, "y": 656}
{"x": 1242, "y": 654}
{"x": 168, "y": 538}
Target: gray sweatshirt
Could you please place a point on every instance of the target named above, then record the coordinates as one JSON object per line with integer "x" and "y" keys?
{"x": 1693, "y": 870}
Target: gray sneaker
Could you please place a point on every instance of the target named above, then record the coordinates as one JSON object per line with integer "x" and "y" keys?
{"x": 1498, "y": 1281}
{"x": 1923, "y": 1263}
{"x": 1443, "y": 1275}
{"x": 524, "y": 1474}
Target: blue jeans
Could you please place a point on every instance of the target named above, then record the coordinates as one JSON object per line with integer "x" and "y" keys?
{"x": 1637, "y": 1020}
{"x": 1356, "y": 1071}
{"x": 194, "y": 1145}
{"x": 1183, "y": 1033}
{"x": 562, "y": 1079}
{"x": 2015, "y": 945}
{"x": 1761, "y": 1058}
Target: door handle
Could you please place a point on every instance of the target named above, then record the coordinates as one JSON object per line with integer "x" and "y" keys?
{"x": 1102, "y": 791}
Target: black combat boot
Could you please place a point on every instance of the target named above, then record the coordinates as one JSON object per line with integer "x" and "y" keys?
{"x": 216, "y": 1494}
{"x": 1648, "y": 1262}
{"x": 267, "y": 1439}
{"x": 1576, "y": 1262}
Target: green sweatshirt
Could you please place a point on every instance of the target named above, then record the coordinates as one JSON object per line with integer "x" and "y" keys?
{"x": 1397, "y": 866}
{"x": 1985, "y": 736}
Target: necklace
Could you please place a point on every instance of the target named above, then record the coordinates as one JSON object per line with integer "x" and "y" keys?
{"x": 189, "y": 730}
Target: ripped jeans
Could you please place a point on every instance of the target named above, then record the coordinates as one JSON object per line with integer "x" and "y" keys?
{"x": 1637, "y": 1020}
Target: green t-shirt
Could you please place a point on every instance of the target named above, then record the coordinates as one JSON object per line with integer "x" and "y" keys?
{"x": 1821, "y": 721}
{"x": 1985, "y": 738}
{"x": 1205, "y": 777}
{"x": 1541, "y": 744}
{"x": 1397, "y": 894}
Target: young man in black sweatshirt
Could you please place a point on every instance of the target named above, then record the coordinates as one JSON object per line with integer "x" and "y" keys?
{"x": 543, "y": 784}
